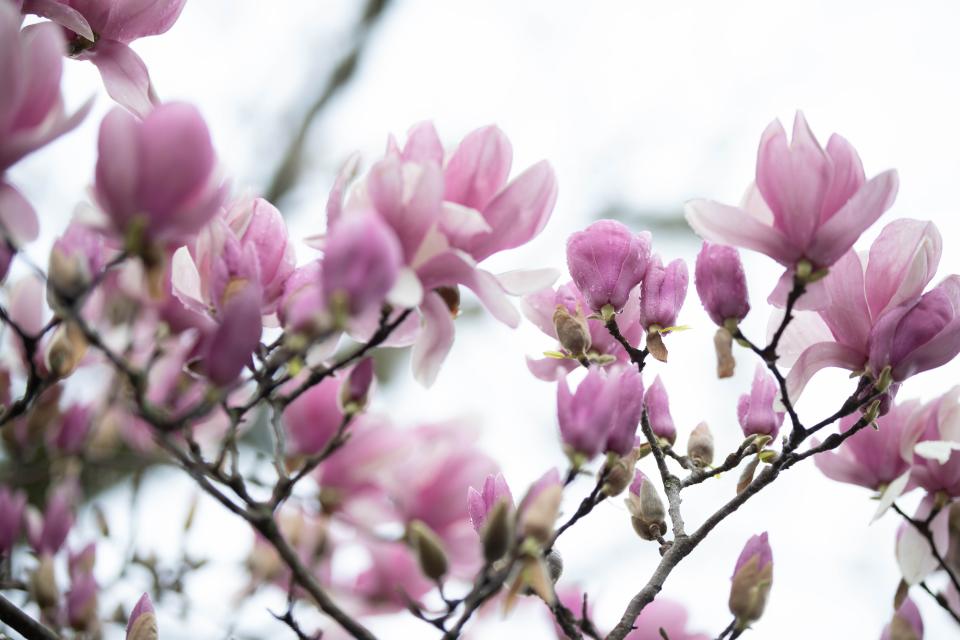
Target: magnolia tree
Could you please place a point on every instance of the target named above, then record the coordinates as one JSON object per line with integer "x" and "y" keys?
{"x": 190, "y": 306}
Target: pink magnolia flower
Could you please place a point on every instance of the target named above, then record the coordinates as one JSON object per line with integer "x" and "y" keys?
{"x": 549, "y": 481}
{"x": 142, "y": 624}
{"x": 856, "y": 294}
{"x": 314, "y": 417}
{"x": 906, "y": 618}
{"x": 756, "y": 410}
{"x": 586, "y": 417}
{"x": 664, "y": 614}
{"x": 449, "y": 213}
{"x": 12, "y": 504}
{"x": 75, "y": 258}
{"x": 539, "y": 308}
{"x": 302, "y": 308}
{"x": 874, "y": 458}
{"x": 606, "y": 261}
{"x": 157, "y": 180}
{"x": 917, "y": 337}
{"x": 82, "y": 602}
{"x": 101, "y": 32}
{"x": 662, "y": 293}
{"x": 809, "y": 203}
{"x": 479, "y": 503}
{"x": 721, "y": 283}
{"x": 627, "y": 410}
{"x": 247, "y": 245}
{"x": 936, "y": 467}
{"x": 657, "y": 404}
{"x": 31, "y": 110}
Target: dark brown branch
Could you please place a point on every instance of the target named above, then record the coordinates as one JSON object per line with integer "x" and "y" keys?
{"x": 923, "y": 528}
{"x": 942, "y": 601}
{"x": 20, "y": 622}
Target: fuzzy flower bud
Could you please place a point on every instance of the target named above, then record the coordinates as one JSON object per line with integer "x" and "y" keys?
{"x": 539, "y": 508}
{"x": 756, "y": 410}
{"x": 497, "y": 532}
{"x": 606, "y": 262}
{"x": 43, "y": 583}
{"x": 428, "y": 548}
{"x": 721, "y": 283}
{"x": 142, "y": 624}
{"x": 700, "y": 446}
{"x": 76, "y": 257}
{"x": 751, "y": 581}
{"x": 573, "y": 332}
{"x": 657, "y": 404}
{"x": 906, "y": 623}
{"x": 647, "y": 513}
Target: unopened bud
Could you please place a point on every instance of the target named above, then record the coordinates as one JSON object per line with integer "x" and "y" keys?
{"x": 647, "y": 511}
{"x": 43, "y": 583}
{"x": 618, "y": 471}
{"x": 497, "y": 532}
{"x": 541, "y": 513}
{"x": 572, "y": 331}
{"x": 66, "y": 350}
{"x": 68, "y": 277}
{"x": 723, "y": 345}
{"x": 751, "y": 582}
{"x": 700, "y": 446}
{"x": 143, "y": 621}
{"x": 428, "y": 548}
{"x": 356, "y": 389}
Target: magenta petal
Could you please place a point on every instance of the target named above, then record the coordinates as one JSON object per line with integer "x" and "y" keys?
{"x": 235, "y": 339}
{"x": 846, "y": 311}
{"x": 820, "y": 356}
{"x": 550, "y": 369}
{"x": 61, "y": 13}
{"x": 842, "y": 230}
{"x": 903, "y": 260}
{"x": 730, "y": 225}
{"x": 423, "y": 144}
{"x": 17, "y": 217}
{"x": 125, "y": 76}
{"x": 452, "y": 268}
{"x": 479, "y": 168}
{"x": 840, "y": 467}
{"x": 435, "y": 339}
{"x": 519, "y": 212}
{"x": 848, "y": 175}
{"x": 143, "y": 607}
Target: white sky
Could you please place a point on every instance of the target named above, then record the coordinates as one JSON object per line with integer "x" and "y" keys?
{"x": 636, "y": 102}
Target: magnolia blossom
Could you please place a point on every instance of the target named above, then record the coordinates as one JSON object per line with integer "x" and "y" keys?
{"x": 628, "y": 409}
{"x": 142, "y": 624}
{"x": 102, "y": 31}
{"x": 313, "y": 418}
{"x": 809, "y": 203}
{"x": 157, "y": 179}
{"x": 12, "y": 504}
{"x": 479, "y": 503}
{"x": 874, "y": 458}
{"x": 751, "y": 581}
{"x": 662, "y": 293}
{"x": 657, "y": 404}
{"x": 936, "y": 467}
{"x": 586, "y": 416}
{"x": 756, "y": 410}
{"x": 721, "y": 283}
{"x": 540, "y": 307}
{"x": 855, "y": 295}
{"x": 31, "y": 111}
{"x": 449, "y": 212}
{"x": 47, "y": 533}
{"x": 906, "y": 623}
{"x": 606, "y": 261}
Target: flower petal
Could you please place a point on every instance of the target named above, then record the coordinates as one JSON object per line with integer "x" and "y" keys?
{"x": 724, "y": 224}
{"x": 820, "y": 356}
{"x": 435, "y": 340}
{"x": 125, "y": 76}
{"x": 521, "y": 282}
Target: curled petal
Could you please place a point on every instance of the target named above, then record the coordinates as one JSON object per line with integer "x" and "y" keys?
{"x": 820, "y": 356}
{"x": 435, "y": 340}
{"x": 724, "y": 224}
{"x": 125, "y": 76}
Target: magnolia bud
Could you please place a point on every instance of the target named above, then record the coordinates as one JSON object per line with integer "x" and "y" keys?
{"x": 906, "y": 623}
{"x": 540, "y": 514}
{"x": 497, "y": 533}
{"x": 356, "y": 388}
{"x": 43, "y": 583}
{"x": 618, "y": 472}
{"x": 143, "y": 621}
{"x": 700, "y": 446}
{"x": 572, "y": 331}
{"x": 428, "y": 548}
{"x": 68, "y": 277}
{"x": 648, "y": 514}
{"x": 66, "y": 350}
{"x": 752, "y": 578}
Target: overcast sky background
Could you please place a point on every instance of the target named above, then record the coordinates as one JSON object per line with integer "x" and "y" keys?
{"x": 641, "y": 106}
